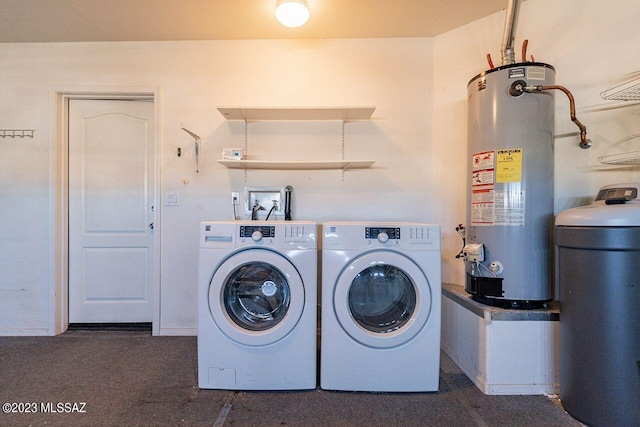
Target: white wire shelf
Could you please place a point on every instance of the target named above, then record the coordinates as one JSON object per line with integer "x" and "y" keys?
{"x": 623, "y": 159}
{"x": 624, "y": 153}
{"x": 628, "y": 91}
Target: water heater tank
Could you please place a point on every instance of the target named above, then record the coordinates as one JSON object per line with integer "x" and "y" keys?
{"x": 510, "y": 186}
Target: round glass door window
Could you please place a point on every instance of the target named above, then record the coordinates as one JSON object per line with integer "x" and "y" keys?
{"x": 382, "y": 298}
{"x": 256, "y": 296}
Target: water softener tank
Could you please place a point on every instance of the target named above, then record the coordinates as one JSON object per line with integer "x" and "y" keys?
{"x": 599, "y": 281}
{"x": 510, "y": 186}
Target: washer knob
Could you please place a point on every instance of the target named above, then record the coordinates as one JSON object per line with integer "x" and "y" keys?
{"x": 383, "y": 237}
{"x": 256, "y": 236}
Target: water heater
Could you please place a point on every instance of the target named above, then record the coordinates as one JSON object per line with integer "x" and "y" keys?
{"x": 510, "y": 186}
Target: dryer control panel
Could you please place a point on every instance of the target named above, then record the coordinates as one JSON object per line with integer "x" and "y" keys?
{"x": 382, "y": 233}
{"x": 365, "y": 235}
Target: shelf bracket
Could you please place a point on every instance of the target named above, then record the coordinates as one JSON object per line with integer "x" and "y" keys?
{"x": 342, "y": 140}
{"x": 246, "y": 146}
{"x": 343, "y": 169}
{"x": 198, "y": 142}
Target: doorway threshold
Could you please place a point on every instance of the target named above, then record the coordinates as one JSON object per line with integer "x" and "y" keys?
{"x": 122, "y": 327}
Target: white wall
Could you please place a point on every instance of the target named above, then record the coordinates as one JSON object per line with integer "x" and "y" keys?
{"x": 592, "y": 44}
{"x": 417, "y": 135}
{"x": 393, "y": 75}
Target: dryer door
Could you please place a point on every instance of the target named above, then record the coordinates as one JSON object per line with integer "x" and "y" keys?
{"x": 382, "y": 299}
{"x": 256, "y": 297}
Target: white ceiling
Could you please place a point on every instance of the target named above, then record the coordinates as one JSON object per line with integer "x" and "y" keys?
{"x": 160, "y": 20}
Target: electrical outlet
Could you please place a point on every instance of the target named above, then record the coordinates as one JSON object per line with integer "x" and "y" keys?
{"x": 235, "y": 198}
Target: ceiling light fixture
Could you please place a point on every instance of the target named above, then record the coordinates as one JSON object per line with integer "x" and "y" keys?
{"x": 292, "y": 13}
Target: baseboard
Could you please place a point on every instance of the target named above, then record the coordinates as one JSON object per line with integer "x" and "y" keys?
{"x": 186, "y": 332}
{"x": 519, "y": 389}
{"x": 36, "y": 332}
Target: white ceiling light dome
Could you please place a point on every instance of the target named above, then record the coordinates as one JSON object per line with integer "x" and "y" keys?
{"x": 292, "y": 13}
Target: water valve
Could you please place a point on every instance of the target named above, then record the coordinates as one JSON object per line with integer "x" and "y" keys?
{"x": 496, "y": 267}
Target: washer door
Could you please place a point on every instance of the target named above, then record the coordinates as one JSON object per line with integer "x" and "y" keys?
{"x": 256, "y": 297}
{"x": 382, "y": 299}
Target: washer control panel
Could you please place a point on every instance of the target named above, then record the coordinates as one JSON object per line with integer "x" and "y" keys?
{"x": 236, "y": 234}
{"x": 251, "y": 231}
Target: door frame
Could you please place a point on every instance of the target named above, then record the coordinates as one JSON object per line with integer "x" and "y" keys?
{"x": 59, "y": 199}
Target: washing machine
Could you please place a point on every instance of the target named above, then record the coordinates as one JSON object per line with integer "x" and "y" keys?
{"x": 257, "y": 295}
{"x": 381, "y": 287}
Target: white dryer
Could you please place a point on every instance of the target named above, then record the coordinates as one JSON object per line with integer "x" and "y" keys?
{"x": 381, "y": 287}
{"x": 257, "y": 294}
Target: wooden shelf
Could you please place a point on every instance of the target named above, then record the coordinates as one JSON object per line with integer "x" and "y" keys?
{"x": 344, "y": 114}
{"x": 296, "y": 113}
{"x": 296, "y": 164}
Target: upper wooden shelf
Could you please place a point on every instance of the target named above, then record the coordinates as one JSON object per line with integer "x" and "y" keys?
{"x": 296, "y": 113}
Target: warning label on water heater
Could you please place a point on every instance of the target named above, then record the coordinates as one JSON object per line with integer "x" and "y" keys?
{"x": 482, "y": 205}
{"x": 509, "y": 165}
{"x": 496, "y": 192}
{"x": 482, "y": 188}
{"x": 509, "y": 208}
{"x": 483, "y": 160}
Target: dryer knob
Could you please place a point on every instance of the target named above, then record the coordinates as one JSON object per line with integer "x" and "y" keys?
{"x": 383, "y": 237}
{"x": 256, "y": 236}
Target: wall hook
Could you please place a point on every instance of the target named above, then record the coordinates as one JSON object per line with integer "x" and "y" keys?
{"x": 16, "y": 133}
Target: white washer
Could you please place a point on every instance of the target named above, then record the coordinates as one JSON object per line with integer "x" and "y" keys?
{"x": 381, "y": 287}
{"x": 257, "y": 294}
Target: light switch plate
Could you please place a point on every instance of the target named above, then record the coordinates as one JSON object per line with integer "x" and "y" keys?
{"x": 172, "y": 198}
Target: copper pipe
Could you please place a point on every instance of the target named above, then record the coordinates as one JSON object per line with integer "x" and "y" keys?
{"x": 584, "y": 142}
{"x": 524, "y": 50}
{"x": 490, "y": 61}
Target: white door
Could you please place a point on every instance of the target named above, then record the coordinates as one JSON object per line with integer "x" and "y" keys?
{"x": 111, "y": 212}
